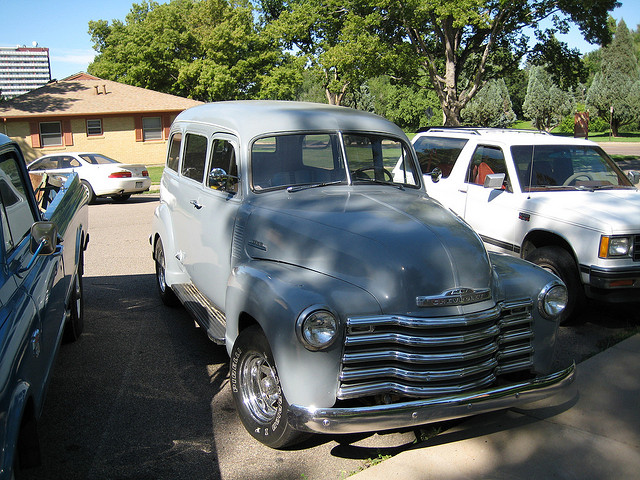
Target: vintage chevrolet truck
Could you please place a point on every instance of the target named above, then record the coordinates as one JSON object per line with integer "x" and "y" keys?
{"x": 44, "y": 236}
{"x": 348, "y": 300}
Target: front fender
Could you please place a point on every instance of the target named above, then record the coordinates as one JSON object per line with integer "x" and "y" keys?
{"x": 274, "y": 294}
{"x": 519, "y": 279}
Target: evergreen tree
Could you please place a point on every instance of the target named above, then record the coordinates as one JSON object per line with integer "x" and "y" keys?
{"x": 491, "y": 107}
{"x": 545, "y": 103}
{"x": 615, "y": 91}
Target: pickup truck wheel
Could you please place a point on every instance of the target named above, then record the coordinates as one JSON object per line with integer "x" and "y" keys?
{"x": 92, "y": 195}
{"x": 75, "y": 325}
{"x": 167, "y": 295}
{"x": 559, "y": 262}
{"x": 257, "y": 393}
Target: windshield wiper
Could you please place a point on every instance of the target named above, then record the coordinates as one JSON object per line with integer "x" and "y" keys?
{"x": 297, "y": 188}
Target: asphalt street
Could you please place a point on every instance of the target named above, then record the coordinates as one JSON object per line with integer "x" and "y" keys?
{"x": 145, "y": 395}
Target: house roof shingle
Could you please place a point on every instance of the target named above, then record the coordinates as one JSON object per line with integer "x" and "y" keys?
{"x": 81, "y": 96}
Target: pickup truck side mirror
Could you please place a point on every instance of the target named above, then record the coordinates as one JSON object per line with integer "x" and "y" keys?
{"x": 44, "y": 237}
{"x": 436, "y": 175}
{"x": 634, "y": 176}
{"x": 494, "y": 181}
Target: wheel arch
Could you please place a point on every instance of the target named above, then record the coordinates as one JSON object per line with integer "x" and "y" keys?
{"x": 544, "y": 238}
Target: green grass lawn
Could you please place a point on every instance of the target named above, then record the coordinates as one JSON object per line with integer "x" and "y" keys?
{"x": 155, "y": 172}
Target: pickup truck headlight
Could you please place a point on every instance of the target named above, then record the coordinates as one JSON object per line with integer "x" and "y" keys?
{"x": 611, "y": 247}
{"x": 317, "y": 328}
{"x": 552, "y": 300}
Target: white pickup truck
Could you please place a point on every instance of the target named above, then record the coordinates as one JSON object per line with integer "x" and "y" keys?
{"x": 559, "y": 202}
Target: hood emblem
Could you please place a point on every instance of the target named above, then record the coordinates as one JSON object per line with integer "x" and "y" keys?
{"x": 455, "y": 296}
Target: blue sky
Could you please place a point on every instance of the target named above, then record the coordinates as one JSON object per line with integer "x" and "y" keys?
{"x": 62, "y": 27}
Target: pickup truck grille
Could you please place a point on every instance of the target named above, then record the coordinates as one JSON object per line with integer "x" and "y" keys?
{"x": 422, "y": 357}
{"x": 636, "y": 248}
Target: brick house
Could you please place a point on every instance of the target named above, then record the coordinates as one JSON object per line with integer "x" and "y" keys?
{"x": 86, "y": 113}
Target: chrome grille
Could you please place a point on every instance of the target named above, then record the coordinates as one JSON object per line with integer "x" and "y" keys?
{"x": 420, "y": 357}
{"x": 636, "y": 248}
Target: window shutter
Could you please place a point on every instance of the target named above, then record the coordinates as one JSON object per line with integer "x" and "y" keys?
{"x": 66, "y": 133}
{"x": 35, "y": 134}
{"x": 166, "y": 126}
{"x": 137, "y": 121}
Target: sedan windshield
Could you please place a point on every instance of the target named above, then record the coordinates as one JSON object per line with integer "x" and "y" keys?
{"x": 317, "y": 159}
{"x": 544, "y": 167}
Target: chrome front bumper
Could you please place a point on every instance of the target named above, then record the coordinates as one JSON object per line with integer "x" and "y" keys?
{"x": 420, "y": 412}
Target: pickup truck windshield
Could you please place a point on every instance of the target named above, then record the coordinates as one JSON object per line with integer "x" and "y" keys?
{"x": 544, "y": 167}
{"x": 316, "y": 159}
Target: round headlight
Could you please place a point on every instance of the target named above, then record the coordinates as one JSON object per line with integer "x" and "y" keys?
{"x": 317, "y": 329}
{"x": 552, "y": 300}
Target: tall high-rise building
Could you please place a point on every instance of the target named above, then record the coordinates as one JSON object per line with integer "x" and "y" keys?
{"x": 23, "y": 69}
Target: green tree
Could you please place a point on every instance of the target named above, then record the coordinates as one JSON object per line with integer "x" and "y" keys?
{"x": 615, "y": 90}
{"x": 331, "y": 39}
{"x": 203, "y": 49}
{"x": 491, "y": 107}
{"x": 463, "y": 44}
{"x": 545, "y": 104}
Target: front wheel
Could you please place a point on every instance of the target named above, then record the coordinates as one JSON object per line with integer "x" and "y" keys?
{"x": 257, "y": 393}
{"x": 560, "y": 262}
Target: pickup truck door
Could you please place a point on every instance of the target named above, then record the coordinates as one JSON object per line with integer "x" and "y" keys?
{"x": 32, "y": 292}
{"x": 491, "y": 212}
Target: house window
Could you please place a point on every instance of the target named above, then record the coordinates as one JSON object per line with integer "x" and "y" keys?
{"x": 151, "y": 128}
{"x": 94, "y": 127}
{"x": 50, "y": 134}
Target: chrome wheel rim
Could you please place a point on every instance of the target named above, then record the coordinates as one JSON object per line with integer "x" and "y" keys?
{"x": 160, "y": 268}
{"x": 259, "y": 387}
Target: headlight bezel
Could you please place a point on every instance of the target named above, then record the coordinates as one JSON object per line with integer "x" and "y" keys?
{"x": 546, "y": 294}
{"x": 615, "y": 246}
{"x": 320, "y": 313}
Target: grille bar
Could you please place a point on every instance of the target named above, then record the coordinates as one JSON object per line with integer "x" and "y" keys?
{"x": 415, "y": 356}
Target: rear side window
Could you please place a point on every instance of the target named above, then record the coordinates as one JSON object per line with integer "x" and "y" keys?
{"x": 438, "y": 152}
{"x": 195, "y": 157}
{"x": 17, "y": 215}
{"x": 173, "y": 157}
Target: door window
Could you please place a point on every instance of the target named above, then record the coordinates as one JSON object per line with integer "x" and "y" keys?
{"x": 223, "y": 158}
{"x": 17, "y": 215}
{"x": 486, "y": 160}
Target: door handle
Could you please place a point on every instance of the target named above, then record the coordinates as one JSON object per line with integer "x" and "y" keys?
{"x": 195, "y": 204}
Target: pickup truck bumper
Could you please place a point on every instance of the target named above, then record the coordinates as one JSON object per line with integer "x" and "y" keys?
{"x": 559, "y": 385}
{"x": 614, "y": 285}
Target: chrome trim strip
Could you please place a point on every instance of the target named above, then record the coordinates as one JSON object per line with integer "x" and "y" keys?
{"x": 420, "y": 358}
{"x": 420, "y": 412}
{"x": 420, "y": 341}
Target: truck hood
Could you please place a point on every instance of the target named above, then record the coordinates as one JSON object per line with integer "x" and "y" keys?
{"x": 611, "y": 211}
{"x": 397, "y": 245}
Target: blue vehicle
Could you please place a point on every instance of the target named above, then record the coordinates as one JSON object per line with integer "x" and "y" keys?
{"x": 42, "y": 242}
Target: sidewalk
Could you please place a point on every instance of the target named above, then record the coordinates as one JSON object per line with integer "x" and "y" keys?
{"x": 596, "y": 438}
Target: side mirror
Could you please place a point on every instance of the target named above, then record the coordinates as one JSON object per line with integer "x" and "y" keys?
{"x": 44, "y": 236}
{"x": 494, "y": 181}
{"x": 436, "y": 175}
{"x": 634, "y": 176}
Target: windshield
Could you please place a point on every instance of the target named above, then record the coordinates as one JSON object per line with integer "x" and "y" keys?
{"x": 97, "y": 159}
{"x": 317, "y": 159}
{"x": 544, "y": 167}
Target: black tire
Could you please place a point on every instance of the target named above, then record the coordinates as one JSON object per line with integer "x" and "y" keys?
{"x": 121, "y": 198}
{"x": 167, "y": 295}
{"x": 257, "y": 393}
{"x": 560, "y": 262}
{"x": 92, "y": 195}
{"x": 75, "y": 325}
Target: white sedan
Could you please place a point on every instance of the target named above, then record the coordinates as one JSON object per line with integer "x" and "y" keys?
{"x": 103, "y": 176}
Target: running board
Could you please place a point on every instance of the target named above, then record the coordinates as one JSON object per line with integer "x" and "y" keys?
{"x": 205, "y": 313}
